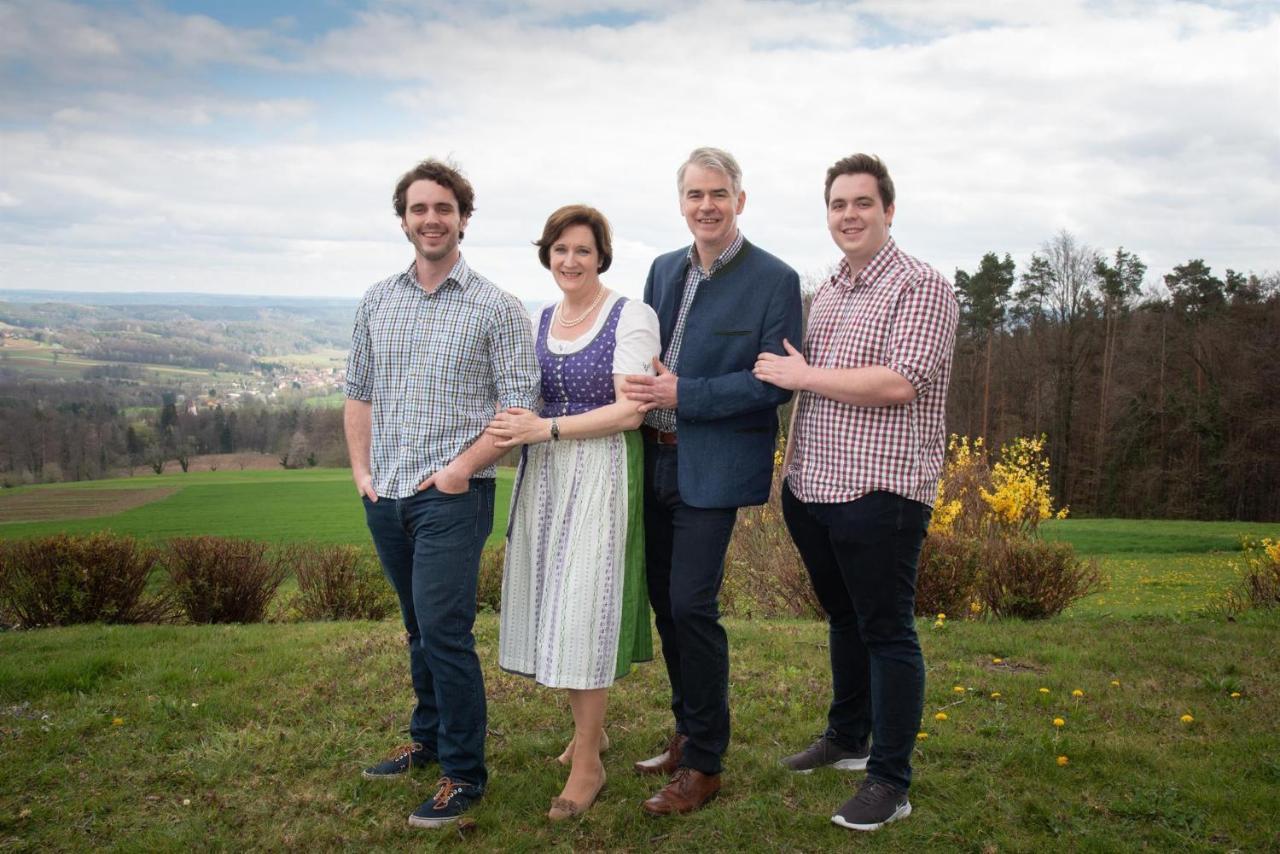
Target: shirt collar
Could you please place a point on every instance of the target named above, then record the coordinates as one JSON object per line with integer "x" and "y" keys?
{"x": 460, "y": 275}
{"x": 871, "y": 274}
{"x": 725, "y": 257}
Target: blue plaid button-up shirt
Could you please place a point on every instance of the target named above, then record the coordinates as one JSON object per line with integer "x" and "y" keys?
{"x": 436, "y": 366}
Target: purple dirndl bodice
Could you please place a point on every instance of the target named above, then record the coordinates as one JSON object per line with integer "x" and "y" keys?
{"x": 578, "y": 382}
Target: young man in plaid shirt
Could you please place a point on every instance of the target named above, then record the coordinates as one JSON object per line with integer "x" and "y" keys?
{"x": 436, "y": 350}
{"x": 863, "y": 460}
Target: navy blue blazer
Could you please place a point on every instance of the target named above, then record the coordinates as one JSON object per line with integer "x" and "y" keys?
{"x": 727, "y": 419}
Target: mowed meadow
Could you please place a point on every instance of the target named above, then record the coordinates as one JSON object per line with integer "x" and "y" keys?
{"x": 1135, "y": 720}
{"x": 276, "y": 506}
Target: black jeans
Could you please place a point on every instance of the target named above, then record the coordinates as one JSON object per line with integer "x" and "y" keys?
{"x": 429, "y": 544}
{"x": 862, "y": 556}
{"x": 684, "y": 564}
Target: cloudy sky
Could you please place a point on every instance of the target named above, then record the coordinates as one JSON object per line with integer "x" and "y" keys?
{"x": 250, "y": 146}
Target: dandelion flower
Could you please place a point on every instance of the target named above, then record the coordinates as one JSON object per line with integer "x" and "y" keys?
{"x": 1044, "y": 690}
{"x": 940, "y": 716}
{"x": 186, "y": 802}
{"x": 1115, "y": 683}
{"x": 921, "y": 736}
{"x": 997, "y": 661}
{"x": 941, "y": 616}
{"x": 117, "y": 721}
{"x": 975, "y": 607}
{"x": 959, "y": 689}
{"x": 1059, "y": 722}
{"x": 1186, "y": 719}
{"x": 1235, "y": 695}
{"x": 1077, "y": 693}
{"x": 1062, "y": 760}
{"x": 195, "y": 705}
{"x": 995, "y": 695}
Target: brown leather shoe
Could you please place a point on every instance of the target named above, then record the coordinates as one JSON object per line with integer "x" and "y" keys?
{"x": 688, "y": 790}
{"x": 667, "y": 761}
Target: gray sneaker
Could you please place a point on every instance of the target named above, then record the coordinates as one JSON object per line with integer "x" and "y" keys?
{"x": 875, "y": 805}
{"x": 825, "y": 752}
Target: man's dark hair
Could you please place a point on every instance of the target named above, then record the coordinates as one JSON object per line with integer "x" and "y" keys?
{"x": 446, "y": 174}
{"x": 862, "y": 164}
{"x": 571, "y": 215}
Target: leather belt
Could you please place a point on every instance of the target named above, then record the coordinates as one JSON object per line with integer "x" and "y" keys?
{"x": 655, "y": 435}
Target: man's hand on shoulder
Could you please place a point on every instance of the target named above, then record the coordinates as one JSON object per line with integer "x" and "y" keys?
{"x": 659, "y": 392}
{"x": 448, "y": 480}
{"x": 364, "y": 485}
{"x": 790, "y": 371}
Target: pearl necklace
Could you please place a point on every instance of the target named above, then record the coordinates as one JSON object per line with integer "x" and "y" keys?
{"x": 567, "y": 324}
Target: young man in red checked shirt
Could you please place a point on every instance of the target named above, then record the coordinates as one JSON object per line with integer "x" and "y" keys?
{"x": 863, "y": 461}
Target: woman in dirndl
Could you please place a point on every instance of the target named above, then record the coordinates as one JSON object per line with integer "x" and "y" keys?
{"x": 574, "y": 606}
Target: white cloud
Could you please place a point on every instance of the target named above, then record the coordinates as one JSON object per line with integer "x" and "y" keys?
{"x": 1151, "y": 125}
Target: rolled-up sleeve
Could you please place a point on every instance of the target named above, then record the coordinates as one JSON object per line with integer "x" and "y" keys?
{"x": 924, "y": 331}
{"x": 515, "y": 366}
{"x": 359, "y": 384}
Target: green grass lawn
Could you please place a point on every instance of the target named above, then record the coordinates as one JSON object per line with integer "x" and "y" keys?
{"x": 252, "y": 738}
{"x": 1157, "y": 566}
{"x": 1154, "y": 536}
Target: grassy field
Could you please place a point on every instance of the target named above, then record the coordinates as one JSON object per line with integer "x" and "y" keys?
{"x": 1156, "y": 566}
{"x": 278, "y": 506}
{"x": 252, "y": 737}
{"x": 40, "y": 361}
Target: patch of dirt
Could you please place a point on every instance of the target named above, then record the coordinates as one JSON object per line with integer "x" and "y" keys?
{"x": 46, "y": 505}
{"x": 231, "y": 462}
{"x": 1008, "y": 666}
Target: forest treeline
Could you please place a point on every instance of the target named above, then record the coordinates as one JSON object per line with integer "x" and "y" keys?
{"x": 1153, "y": 406}
{"x": 1156, "y": 402}
{"x": 52, "y": 431}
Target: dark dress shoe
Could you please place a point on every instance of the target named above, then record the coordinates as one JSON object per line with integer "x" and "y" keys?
{"x": 687, "y": 791}
{"x": 667, "y": 761}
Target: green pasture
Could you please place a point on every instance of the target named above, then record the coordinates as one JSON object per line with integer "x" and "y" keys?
{"x": 303, "y": 505}
{"x": 326, "y": 401}
{"x": 325, "y": 358}
{"x": 1154, "y": 536}
{"x": 40, "y": 361}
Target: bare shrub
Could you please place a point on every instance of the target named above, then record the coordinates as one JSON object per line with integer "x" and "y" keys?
{"x": 337, "y": 583}
{"x": 1034, "y": 579}
{"x": 764, "y": 575}
{"x": 1259, "y": 585}
{"x": 948, "y": 575}
{"x": 489, "y": 585}
{"x": 221, "y": 580}
{"x": 63, "y": 580}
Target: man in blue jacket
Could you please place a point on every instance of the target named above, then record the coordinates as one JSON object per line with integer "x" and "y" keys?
{"x": 709, "y": 431}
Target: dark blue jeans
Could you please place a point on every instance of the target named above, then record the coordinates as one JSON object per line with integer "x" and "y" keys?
{"x": 684, "y": 565}
{"x": 429, "y": 545}
{"x": 862, "y": 557}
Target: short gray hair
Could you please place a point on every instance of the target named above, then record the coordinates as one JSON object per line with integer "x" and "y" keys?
{"x": 712, "y": 158}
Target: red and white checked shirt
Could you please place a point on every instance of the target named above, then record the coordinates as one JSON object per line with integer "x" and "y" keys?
{"x": 900, "y": 313}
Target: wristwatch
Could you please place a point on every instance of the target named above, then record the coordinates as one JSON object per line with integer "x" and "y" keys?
{"x": 555, "y": 431}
